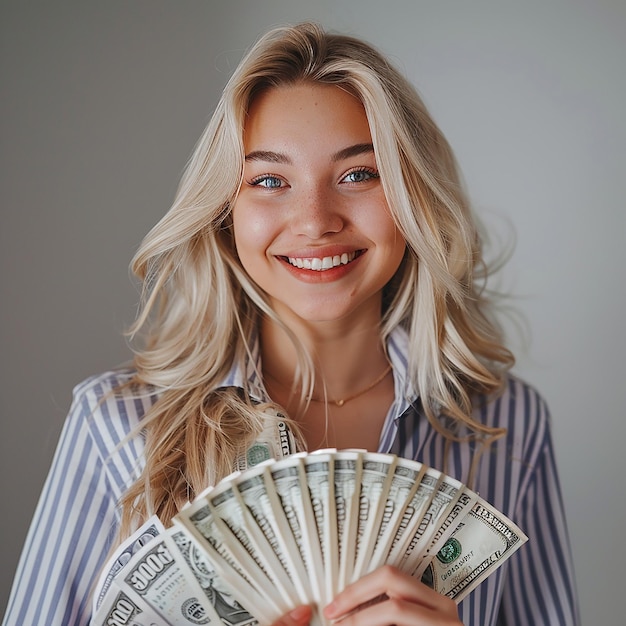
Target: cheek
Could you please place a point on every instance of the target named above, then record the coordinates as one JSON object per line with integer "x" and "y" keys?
{"x": 399, "y": 242}
{"x": 394, "y": 242}
{"x": 253, "y": 232}
{"x": 385, "y": 230}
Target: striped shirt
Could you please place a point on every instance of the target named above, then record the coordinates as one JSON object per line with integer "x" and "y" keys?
{"x": 77, "y": 515}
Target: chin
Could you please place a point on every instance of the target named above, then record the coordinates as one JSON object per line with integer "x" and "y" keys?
{"x": 325, "y": 314}
{"x": 326, "y": 310}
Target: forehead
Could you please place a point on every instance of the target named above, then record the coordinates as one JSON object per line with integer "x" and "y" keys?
{"x": 305, "y": 114}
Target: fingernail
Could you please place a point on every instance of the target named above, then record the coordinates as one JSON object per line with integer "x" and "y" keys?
{"x": 330, "y": 610}
{"x": 301, "y": 614}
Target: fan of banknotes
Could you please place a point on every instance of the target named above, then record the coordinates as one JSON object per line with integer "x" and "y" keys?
{"x": 298, "y": 530}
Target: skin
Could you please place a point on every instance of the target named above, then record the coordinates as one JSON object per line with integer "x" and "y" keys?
{"x": 408, "y": 603}
{"x": 311, "y": 190}
{"x": 311, "y": 197}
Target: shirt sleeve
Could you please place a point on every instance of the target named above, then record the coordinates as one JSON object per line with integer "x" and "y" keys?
{"x": 540, "y": 586}
{"x": 70, "y": 534}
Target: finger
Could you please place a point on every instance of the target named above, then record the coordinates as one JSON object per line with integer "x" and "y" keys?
{"x": 399, "y": 612}
{"x": 300, "y": 616}
{"x": 394, "y": 584}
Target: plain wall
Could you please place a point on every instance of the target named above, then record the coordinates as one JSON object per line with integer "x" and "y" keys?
{"x": 101, "y": 106}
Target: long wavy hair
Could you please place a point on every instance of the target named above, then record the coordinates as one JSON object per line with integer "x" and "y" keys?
{"x": 200, "y": 311}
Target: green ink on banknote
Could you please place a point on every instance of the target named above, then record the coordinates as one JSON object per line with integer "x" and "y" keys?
{"x": 257, "y": 454}
{"x": 450, "y": 552}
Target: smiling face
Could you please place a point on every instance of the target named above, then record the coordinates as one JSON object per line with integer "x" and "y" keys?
{"x": 311, "y": 223}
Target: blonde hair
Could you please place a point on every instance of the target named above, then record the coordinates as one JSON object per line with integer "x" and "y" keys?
{"x": 200, "y": 310}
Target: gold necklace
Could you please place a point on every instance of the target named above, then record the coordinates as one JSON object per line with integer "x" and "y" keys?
{"x": 341, "y": 401}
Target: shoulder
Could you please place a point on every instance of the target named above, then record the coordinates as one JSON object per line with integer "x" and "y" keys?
{"x": 109, "y": 408}
{"x": 510, "y": 463}
{"x": 114, "y": 398}
{"x": 522, "y": 412}
{"x": 97, "y": 386}
{"x": 518, "y": 407}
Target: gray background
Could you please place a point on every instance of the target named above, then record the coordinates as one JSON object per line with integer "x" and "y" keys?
{"x": 101, "y": 106}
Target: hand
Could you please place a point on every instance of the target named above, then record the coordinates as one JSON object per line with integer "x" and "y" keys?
{"x": 405, "y": 601}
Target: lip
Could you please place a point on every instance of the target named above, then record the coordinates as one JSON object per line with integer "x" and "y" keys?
{"x": 321, "y": 266}
{"x": 325, "y": 263}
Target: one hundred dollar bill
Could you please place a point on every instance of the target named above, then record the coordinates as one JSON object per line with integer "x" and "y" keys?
{"x": 377, "y": 474}
{"x": 447, "y": 493}
{"x": 249, "y": 546}
{"x": 164, "y": 583}
{"x": 289, "y": 481}
{"x": 248, "y": 582}
{"x": 256, "y": 494}
{"x": 416, "y": 507}
{"x": 319, "y": 469}
{"x": 276, "y": 441}
{"x": 456, "y": 511}
{"x": 483, "y": 540}
{"x": 405, "y": 481}
{"x": 347, "y": 478}
{"x": 118, "y": 609}
{"x": 122, "y": 555}
{"x": 229, "y": 611}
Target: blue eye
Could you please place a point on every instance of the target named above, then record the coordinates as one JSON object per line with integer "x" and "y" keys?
{"x": 360, "y": 176}
{"x": 267, "y": 181}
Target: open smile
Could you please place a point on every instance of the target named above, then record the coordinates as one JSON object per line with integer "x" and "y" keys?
{"x": 321, "y": 264}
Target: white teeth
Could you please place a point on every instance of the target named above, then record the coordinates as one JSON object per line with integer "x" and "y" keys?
{"x": 319, "y": 264}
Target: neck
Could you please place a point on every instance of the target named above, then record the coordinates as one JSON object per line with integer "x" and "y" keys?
{"x": 346, "y": 358}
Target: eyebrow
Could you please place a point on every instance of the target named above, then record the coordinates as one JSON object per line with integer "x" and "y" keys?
{"x": 350, "y": 151}
{"x": 269, "y": 156}
{"x": 278, "y": 157}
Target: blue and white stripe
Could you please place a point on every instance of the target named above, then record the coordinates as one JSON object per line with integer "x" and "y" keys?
{"x": 77, "y": 515}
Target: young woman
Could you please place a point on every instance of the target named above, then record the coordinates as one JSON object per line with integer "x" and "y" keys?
{"x": 320, "y": 255}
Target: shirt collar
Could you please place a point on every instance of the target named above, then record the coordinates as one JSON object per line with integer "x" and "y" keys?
{"x": 398, "y": 353}
{"x": 249, "y": 376}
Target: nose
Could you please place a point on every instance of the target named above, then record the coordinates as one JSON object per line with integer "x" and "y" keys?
{"x": 316, "y": 212}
